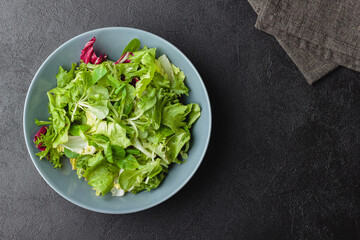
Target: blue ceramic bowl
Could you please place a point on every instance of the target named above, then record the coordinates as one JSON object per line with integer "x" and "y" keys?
{"x": 65, "y": 181}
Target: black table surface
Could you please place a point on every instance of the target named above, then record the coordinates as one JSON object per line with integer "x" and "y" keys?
{"x": 283, "y": 160}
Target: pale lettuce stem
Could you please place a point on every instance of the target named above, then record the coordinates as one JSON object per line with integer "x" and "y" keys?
{"x": 153, "y": 155}
{"x": 84, "y": 105}
{"x": 140, "y": 147}
{"x": 134, "y": 127}
{"x": 83, "y": 136}
{"x": 72, "y": 115}
{"x": 135, "y": 118}
{"x": 79, "y": 103}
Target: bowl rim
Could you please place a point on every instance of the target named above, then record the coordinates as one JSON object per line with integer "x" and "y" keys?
{"x": 94, "y": 209}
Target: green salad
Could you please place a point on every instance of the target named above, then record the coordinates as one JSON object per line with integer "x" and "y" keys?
{"x": 121, "y": 124}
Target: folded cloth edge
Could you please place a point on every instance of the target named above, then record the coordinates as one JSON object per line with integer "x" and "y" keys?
{"x": 313, "y": 67}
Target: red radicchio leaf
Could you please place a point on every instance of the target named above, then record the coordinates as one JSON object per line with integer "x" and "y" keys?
{"x": 88, "y": 55}
{"x": 42, "y": 131}
{"x": 124, "y": 58}
{"x": 134, "y": 81}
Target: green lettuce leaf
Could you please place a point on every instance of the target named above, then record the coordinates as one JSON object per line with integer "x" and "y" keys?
{"x": 176, "y": 143}
{"x": 193, "y": 115}
{"x": 102, "y": 177}
{"x": 133, "y": 178}
{"x": 174, "y": 115}
{"x": 132, "y": 46}
{"x": 75, "y": 144}
{"x": 114, "y": 132}
{"x": 98, "y": 72}
{"x": 151, "y": 184}
{"x": 68, "y": 153}
{"x": 146, "y": 58}
{"x": 178, "y": 85}
{"x": 127, "y": 163}
{"x": 76, "y": 130}
{"x": 118, "y": 152}
{"x": 99, "y": 111}
{"x": 64, "y": 77}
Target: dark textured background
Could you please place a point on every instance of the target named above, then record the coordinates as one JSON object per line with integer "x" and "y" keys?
{"x": 283, "y": 161}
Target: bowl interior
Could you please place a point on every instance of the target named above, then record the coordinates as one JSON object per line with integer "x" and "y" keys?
{"x": 112, "y": 41}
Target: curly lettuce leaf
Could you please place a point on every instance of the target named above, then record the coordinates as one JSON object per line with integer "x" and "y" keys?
{"x": 174, "y": 115}
{"x": 133, "y": 178}
{"x": 64, "y": 77}
{"x": 146, "y": 60}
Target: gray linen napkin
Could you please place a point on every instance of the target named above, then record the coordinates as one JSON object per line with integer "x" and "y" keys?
{"x": 318, "y": 35}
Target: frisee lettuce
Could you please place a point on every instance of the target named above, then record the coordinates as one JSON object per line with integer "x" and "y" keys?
{"x": 122, "y": 124}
